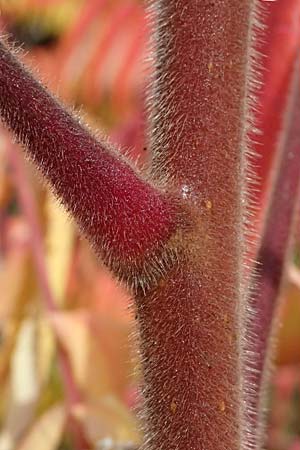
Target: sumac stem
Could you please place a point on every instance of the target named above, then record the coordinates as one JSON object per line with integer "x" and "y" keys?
{"x": 190, "y": 302}
{"x": 273, "y": 254}
{"x": 190, "y": 324}
{"x": 128, "y": 221}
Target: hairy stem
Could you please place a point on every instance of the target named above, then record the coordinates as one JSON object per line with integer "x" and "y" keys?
{"x": 190, "y": 318}
{"x": 272, "y": 256}
{"x": 278, "y": 48}
{"x": 190, "y": 324}
{"x": 127, "y": 220}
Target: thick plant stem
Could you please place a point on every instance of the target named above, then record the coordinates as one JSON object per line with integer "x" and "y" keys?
{"x": 272, "y": 257}
{"x": 128, "y": 221}
{"x": 190, "y": 299}
{"x": 279, "y": 49}
{"x": 190, "y": 324}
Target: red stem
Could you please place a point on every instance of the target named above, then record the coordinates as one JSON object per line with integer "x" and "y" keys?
{"x": 278, "y": 49}
{"x": 124, "y": 217}
{"x": 274, "y": 251}
{"x": 124, "y": 11}
{"x": 191, "y": 324}
{"x": 135, "y": 50}
{"x": 86, "y": 15}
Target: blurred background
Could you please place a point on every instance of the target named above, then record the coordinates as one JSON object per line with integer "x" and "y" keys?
{"x": 67, "y": 357}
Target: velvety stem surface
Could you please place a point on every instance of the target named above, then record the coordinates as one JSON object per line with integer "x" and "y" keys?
{"x": 274, "y": 251}
{"x": 126, "y": 219}
{"x": 190, "y": 324}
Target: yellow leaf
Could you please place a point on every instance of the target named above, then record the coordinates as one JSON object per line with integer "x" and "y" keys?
{"x": 18, "y": 284}
{"x": 23, "y": 386}
{"x": 108, "y": 417}
{"x": 72, "y": 329}
{"x": 45, "y": 347}
{"x": 46, "y": 432}
{"x": 59, "y": 245}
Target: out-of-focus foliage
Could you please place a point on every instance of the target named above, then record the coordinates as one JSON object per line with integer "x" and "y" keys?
{"x": 67, "y": 378}
{"x": 66, "y": 364}
{"x": 284, "y": 418}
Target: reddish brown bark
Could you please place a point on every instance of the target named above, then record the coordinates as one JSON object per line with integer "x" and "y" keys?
{"x": 190, "y": 325}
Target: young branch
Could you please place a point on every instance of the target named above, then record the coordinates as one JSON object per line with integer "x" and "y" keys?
{"x": 278, "y": 47}
{"x": 128, "y": 221}
{"x": 274, "y": 252}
